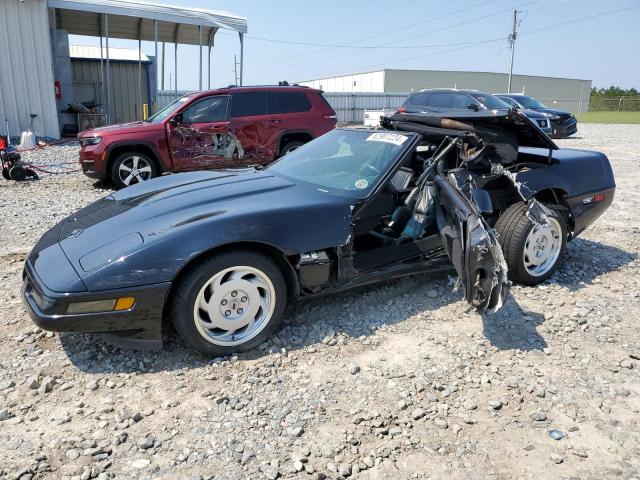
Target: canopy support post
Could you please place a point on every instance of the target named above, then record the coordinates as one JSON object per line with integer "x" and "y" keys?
{"x": 200, "y": 55}
{"x": 140, "y": 113}
{"x": 163, "y": 58}
{"x": 210, "y": 44}
{"x": 241, "y": 55}
{"x": 106, "y": 33}
{"x": 100, "y": 19}
{"x": 175, "y": 58}
{"x": 155, "y": 61}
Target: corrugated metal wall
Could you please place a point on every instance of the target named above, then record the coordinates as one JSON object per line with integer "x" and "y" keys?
{"x": 26, "y": 76}
{"x": 350, "y": 107}
{"x": 358, "y": 82}
{"x": 125, "y": 101}
{"x": 562, "y": 93}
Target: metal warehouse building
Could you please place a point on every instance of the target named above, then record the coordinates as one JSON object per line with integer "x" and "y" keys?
{"x": 40, "y": 75}
{"x": 563, "y": 93}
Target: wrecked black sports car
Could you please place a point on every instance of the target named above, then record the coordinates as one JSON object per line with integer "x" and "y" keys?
{"x": 219, "y": 254}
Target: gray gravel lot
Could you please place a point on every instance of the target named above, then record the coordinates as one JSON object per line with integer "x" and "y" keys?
{"x": 399, "y": 380}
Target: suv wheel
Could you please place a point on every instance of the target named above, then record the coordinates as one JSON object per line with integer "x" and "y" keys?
{"x": 532, "y": 251}
{"x": 290, "y": 147}
{"x": 228, "y": 303}
{"x": 131, "y": 168}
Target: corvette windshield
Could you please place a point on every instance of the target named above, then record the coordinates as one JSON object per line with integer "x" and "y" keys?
{"x": 528, "y": 102}
{"x": 348, "y": 162}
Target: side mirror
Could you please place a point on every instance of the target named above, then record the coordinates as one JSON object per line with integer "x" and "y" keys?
{"x": 177, "y": 119}
{"x": 473, "y": 106}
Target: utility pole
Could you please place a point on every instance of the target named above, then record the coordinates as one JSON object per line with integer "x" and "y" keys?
{"x": 512, "y": 43}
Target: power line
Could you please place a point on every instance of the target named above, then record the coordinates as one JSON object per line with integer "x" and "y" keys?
{"x": 610, "y": 12}
{"x": 548, "y": 27}
{"x": 404, "y": 27}
{"x": 362, "y": 49}
{"x": 469, "y": 44}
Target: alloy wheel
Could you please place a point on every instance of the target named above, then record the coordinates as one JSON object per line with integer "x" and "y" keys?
{"x": 234, "y": 306}
{"x": 134, "y": 169}
{"x": 542, "y": 247}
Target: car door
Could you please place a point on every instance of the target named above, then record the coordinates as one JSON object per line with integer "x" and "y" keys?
{"x": 253, "y": 129}
{"x": 472, "y": 247}
{"x": 198, "y": 135}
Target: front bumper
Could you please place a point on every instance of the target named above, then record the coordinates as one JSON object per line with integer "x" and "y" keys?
{"x": 564, "y": 129}
{"x": 92, "y": 161}
{"x": 138, "y": 327}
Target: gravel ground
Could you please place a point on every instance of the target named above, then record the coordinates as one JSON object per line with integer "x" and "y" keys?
{"x": 398, "y": 380}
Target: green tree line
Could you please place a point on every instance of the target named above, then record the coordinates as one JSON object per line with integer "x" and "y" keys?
{"x": 614, "y": 98}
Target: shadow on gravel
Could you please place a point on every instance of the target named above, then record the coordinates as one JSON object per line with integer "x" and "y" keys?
{"x": 359, "y": 313}
{"x": 356, "y": 313}
{"x": 512, "y": 328}
{"x": 586, "y": 260}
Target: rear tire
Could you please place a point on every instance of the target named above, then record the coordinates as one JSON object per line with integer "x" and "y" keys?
{"x": 533, "y": 252}
{"x": 229, "y": 303}
{"x": 290, "y": 147}
{"x": 130, "y": 168}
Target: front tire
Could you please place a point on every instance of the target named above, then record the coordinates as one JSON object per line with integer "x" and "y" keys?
{"x": 228, "y": 303}
{"x": 132, "y": 167}
{"x": 532, "y": 251}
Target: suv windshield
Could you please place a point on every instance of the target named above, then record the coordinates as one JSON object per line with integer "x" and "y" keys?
{"x": 489, "y": 101}
{"x": 169, "y": 109}
{"x": 528, "y": 102}
{"x": 343, "y": 162}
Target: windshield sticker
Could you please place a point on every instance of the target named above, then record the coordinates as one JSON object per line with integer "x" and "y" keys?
{"x": 362, "y": 184}
{"x": 393, "y": 138}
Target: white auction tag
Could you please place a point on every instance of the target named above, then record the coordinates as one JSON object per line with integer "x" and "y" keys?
{"x": 394, "y": 138}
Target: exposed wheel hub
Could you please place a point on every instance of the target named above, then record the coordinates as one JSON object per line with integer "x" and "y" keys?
{"x": 234, "y": 304}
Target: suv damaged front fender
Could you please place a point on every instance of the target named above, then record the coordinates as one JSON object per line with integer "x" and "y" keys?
{"x": 473, "y": 248}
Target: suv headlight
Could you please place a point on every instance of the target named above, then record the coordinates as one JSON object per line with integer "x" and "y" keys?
{"x": 90, "y": 141}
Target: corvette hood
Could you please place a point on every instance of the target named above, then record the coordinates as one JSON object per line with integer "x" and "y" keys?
{"x": 193, "y": 212}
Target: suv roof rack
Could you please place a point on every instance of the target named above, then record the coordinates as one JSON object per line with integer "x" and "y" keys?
{"x": 280, "y": 84}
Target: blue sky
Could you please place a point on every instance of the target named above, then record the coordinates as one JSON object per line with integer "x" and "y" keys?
{"x": 603, "y": 49}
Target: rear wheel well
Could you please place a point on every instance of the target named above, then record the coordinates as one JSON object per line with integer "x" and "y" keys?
{"x": 556, "y": 197}
{"x": 290, "y": 276}
{"x": 293, "y": 137}
{"x": 120, "y": 149}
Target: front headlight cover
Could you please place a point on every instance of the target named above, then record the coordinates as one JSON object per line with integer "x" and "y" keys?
{"x": 90, "y": 141}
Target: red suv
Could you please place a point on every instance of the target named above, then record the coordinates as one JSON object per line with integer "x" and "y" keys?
{"x": 229, "y": 127}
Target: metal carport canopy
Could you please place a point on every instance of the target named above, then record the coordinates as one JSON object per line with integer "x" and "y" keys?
{"x": 138, "y": 20}
{"x": 82, "y": 17}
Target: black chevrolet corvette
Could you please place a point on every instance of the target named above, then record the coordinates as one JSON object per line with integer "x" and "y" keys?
{"x": 219, "y": 254}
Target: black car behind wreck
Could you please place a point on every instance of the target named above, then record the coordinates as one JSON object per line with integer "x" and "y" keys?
{"x": 219, "y": 254}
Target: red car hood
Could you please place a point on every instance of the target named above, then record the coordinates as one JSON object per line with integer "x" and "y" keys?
{"x": 122, "y": 128}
